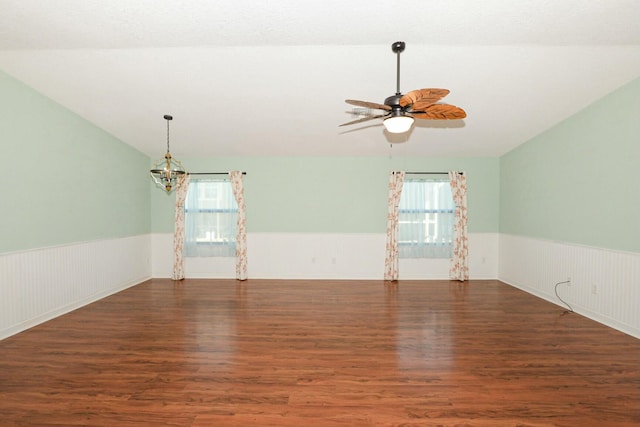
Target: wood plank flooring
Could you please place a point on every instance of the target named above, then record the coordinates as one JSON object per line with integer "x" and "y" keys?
{"x": 320, "y": 353}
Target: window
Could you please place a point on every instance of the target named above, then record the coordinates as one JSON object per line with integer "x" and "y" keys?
{"x": 426, "y": 215}
{"x": 211, "y": 215}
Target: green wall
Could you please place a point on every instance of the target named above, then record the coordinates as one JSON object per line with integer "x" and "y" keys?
{"x": 333, "y": 194}
{"x": 64, "y": 180}
{"x": 579, "y": 182}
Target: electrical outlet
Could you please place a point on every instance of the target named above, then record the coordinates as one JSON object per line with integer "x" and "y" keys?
{"x": 594, "y": 289}
{"x": 569, "y": 281}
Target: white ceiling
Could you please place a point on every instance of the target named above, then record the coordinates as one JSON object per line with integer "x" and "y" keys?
{"x": 247, "y": 77}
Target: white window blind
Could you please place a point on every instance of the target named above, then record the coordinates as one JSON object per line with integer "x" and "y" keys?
{"x": 426, "y": 217}
{"x": 211, "y": 215}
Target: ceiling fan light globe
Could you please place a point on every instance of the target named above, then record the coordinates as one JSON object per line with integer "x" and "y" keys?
{"x": 398, "y": 124}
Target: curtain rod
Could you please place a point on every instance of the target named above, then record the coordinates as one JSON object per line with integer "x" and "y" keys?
{"x": 432, "y": 173}
{"x": 211, "y": 173}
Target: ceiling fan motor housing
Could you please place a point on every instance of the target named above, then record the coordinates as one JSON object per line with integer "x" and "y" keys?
{"x": 393, "y": 100}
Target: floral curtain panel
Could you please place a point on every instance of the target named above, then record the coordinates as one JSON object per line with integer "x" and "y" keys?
{"x": 459, "y": 269}
{"x": 178, "y": 230}
{"x": 391, "y": 271}
{"x": 241, "y": 241}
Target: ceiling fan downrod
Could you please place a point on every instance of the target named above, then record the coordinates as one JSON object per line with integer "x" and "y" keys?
{"x": 398, "y": 48}
{"x": 394, "y": 100}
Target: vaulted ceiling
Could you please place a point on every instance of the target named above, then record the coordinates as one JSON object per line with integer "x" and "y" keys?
{"x": 260, "y": 78}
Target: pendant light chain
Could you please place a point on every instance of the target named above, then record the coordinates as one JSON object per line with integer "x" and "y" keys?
{"x": 168, "y": 118}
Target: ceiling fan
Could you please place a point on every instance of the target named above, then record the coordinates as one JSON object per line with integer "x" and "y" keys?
{"x": 401, "y": 110}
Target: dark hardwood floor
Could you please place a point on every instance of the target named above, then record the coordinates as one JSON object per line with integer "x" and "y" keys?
{"x": 325, "y": 353}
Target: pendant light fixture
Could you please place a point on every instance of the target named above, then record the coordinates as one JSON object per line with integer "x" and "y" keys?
{"x": 166, "y": 171}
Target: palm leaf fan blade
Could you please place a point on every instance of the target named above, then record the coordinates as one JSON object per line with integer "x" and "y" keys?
{"x": 364, "y": 119}
{"x": 422, "y": 97}
{"x": 366, "y": 104}
{"x": 440, "y": 112}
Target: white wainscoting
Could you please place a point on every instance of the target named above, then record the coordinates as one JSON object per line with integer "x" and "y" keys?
{"x": 323, "y": 256}
{"x": 605, "y": 284}
{"x": 38, "y": 285}
{"x": 483, "y": 261}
